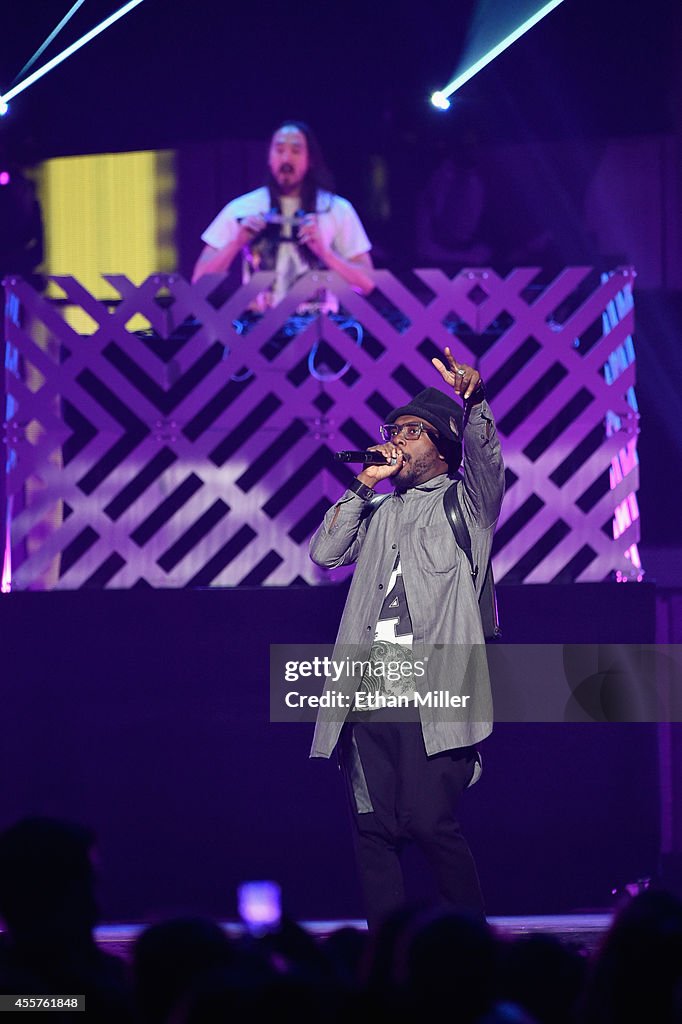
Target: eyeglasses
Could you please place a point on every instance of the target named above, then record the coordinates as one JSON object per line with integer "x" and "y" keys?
{"x": 410, "y": 431}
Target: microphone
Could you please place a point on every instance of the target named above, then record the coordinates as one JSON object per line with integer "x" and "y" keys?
{"x": 366, "y": 458}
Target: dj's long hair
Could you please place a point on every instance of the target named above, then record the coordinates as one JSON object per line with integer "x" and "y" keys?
{"x": 318, "y": 175}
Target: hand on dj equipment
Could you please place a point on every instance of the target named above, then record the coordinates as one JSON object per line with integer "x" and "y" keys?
{"x": 309, "y": 234}
{"x": 250, "y": 228}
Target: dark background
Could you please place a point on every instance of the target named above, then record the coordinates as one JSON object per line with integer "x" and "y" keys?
{"x": 362, "y": 73}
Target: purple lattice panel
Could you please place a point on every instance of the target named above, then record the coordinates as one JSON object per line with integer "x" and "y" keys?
{"x": 557, "y": 519}
{"x": 197, "y": 454}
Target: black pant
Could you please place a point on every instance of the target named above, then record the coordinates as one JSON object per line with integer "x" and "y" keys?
{"x": 398, "y": 794}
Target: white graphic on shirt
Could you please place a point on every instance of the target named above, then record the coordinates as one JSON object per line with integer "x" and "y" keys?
{"x": 390, "y": 659}
{"x": 394, "y": 622}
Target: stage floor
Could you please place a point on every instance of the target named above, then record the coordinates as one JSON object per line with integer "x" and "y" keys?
{"x": 580, "y": 930}
{"x": 146, "y": 715}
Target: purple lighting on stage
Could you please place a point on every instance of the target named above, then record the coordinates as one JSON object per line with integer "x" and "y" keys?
{"x": 568, "y": 479}
{"x": 5, "y": 178}
{"x": 625, "y": 461}
{"x": 6, "y": 575}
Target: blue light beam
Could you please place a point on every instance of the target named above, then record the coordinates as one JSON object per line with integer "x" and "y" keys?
{"x": 11, "y": 93}
{"x": 440, "y": 97}
{"x": 53, "y": 35}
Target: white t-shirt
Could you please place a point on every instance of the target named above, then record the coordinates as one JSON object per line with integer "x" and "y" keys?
{"x": 339, "y": 225}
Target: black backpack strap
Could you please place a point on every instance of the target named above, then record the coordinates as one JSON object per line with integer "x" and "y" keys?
{"x": 487, "y": 601}
{"x": 375, "y": 504}
{"x": 453, "y": 511}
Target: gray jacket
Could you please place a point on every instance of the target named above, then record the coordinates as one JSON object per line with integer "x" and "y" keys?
{"x": 438, "y": 585}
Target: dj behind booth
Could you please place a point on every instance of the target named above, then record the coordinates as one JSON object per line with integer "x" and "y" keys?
{"x": 292, "y": 224}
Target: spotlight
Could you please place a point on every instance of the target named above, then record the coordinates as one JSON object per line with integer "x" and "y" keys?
{"x": 440, "y": 101}
{"x": 440, "y": 98}
{"x": 55, "y": 32}
{"x": 35, "y": 75}
{"x": 4, "y": 107}
{"x": 5, "y": 178}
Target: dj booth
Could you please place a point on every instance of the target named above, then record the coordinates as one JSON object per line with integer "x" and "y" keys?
{"x": 153, "y": 440}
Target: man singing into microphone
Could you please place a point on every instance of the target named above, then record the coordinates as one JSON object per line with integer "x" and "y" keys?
{"x": 413, "y": 590}
{"x": 293, "y": 224}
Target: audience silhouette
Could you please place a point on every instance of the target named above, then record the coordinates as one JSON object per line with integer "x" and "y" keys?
{"x": 419, "y": 963}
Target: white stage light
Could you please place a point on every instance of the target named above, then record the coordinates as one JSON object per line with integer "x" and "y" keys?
{"x": 440, "y": 101}
{"x": 15, "y": 90}
{"x": 499, "y": 48}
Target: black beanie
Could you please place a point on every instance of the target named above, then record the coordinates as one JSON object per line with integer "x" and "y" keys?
{"x": 443, "y": 412}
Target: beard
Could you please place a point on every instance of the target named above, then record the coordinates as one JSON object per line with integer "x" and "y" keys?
{"x": 287, "y": 178}
{"x": 413, "y": 472}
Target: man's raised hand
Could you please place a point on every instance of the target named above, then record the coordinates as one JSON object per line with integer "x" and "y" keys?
{"x": 464, "y": 379}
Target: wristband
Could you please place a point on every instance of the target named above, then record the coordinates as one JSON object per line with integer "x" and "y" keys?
{"x": 362, "y": 490}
